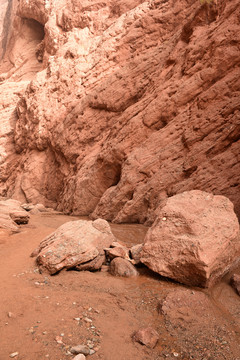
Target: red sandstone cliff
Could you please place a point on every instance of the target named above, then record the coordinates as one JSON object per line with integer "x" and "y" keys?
{"x": 129, "y": 102}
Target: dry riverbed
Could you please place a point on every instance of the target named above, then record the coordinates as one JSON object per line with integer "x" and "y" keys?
{"x": 42, "y": 316}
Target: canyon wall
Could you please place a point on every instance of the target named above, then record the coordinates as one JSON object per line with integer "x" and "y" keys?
{"x": 120, "y": 104}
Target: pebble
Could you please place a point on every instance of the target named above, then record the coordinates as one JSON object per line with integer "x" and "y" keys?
{"x": 58, "y": 339}
{"x": 78, "y": 319}
{"x": 13, "y": 355}
{"x": 11, "y": 315}
{"x": 79, "y": 357}
{"x": 86, "y": 319}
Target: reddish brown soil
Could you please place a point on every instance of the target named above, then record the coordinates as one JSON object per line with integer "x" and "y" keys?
{"x": 44, "y": 307}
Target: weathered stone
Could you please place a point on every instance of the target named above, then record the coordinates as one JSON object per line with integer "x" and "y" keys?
{"x": 119, "y": 251}
{"x": 73, "y": 243}
{"x": 79, "y": 357}
{"x": 11, "y": 214}
{"x": 135, "y": 253}
{"x": 194, "y": 240}
{"x": 80, "y": 349}
{"x": 92, "y": 265}
{"x": 122, "y": 267}
{"x": 7, "y": 223}
{"x": 40, "y": 208}
{"x": 28, "y": 207}
{"x": 13, "y": 355}
{"x": 235, "y": 282}
{"x": 147, "y": 336}
{"x": 20, "y": 217}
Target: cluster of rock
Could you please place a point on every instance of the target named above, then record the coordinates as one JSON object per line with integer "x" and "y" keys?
{"x": 84, "y": 245}
{"x": 194, "y": 240}
{"x": 14, "y": 213}
{"x": 135, "y": 101}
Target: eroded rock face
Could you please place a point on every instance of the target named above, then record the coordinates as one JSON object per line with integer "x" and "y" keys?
{"x": 136, "y": 101}
{"x": 72, "y": 244}
{"x": 194, "y": 240}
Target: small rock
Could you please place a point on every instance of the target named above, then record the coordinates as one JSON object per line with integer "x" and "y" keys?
{"x": 135, "y": 252}
{"x": 27, "y": 207}
{"x": 147, "y": 336}
{"x": 104, "y": 268}
{"x": 87, "y": 320}
{"x": 80, "y": 349}
{"x": 92, "y": 265}
{"x": 118, "y": 251}
{"x": 11, "y": 315}
{"x": 79, "y": 357}
{"x": 122, "y": 267}
{"x": 13, "y": 355}
{"x": 59, "y": 339}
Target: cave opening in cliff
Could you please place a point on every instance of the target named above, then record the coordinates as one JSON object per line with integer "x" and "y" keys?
{"x": 34, "y": 34}
{"x": 27, "y": 49}
{"x": 33, "y": 30}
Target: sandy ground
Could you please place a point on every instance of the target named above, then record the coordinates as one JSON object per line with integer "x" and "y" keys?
{"x": 42, "y": 316}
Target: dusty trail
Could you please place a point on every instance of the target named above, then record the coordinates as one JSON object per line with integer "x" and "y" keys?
{"x": 43, "y": 309}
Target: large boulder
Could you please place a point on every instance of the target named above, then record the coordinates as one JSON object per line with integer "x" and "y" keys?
{"x": 194, "y": 240}
{"x": 72, "y": 244}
